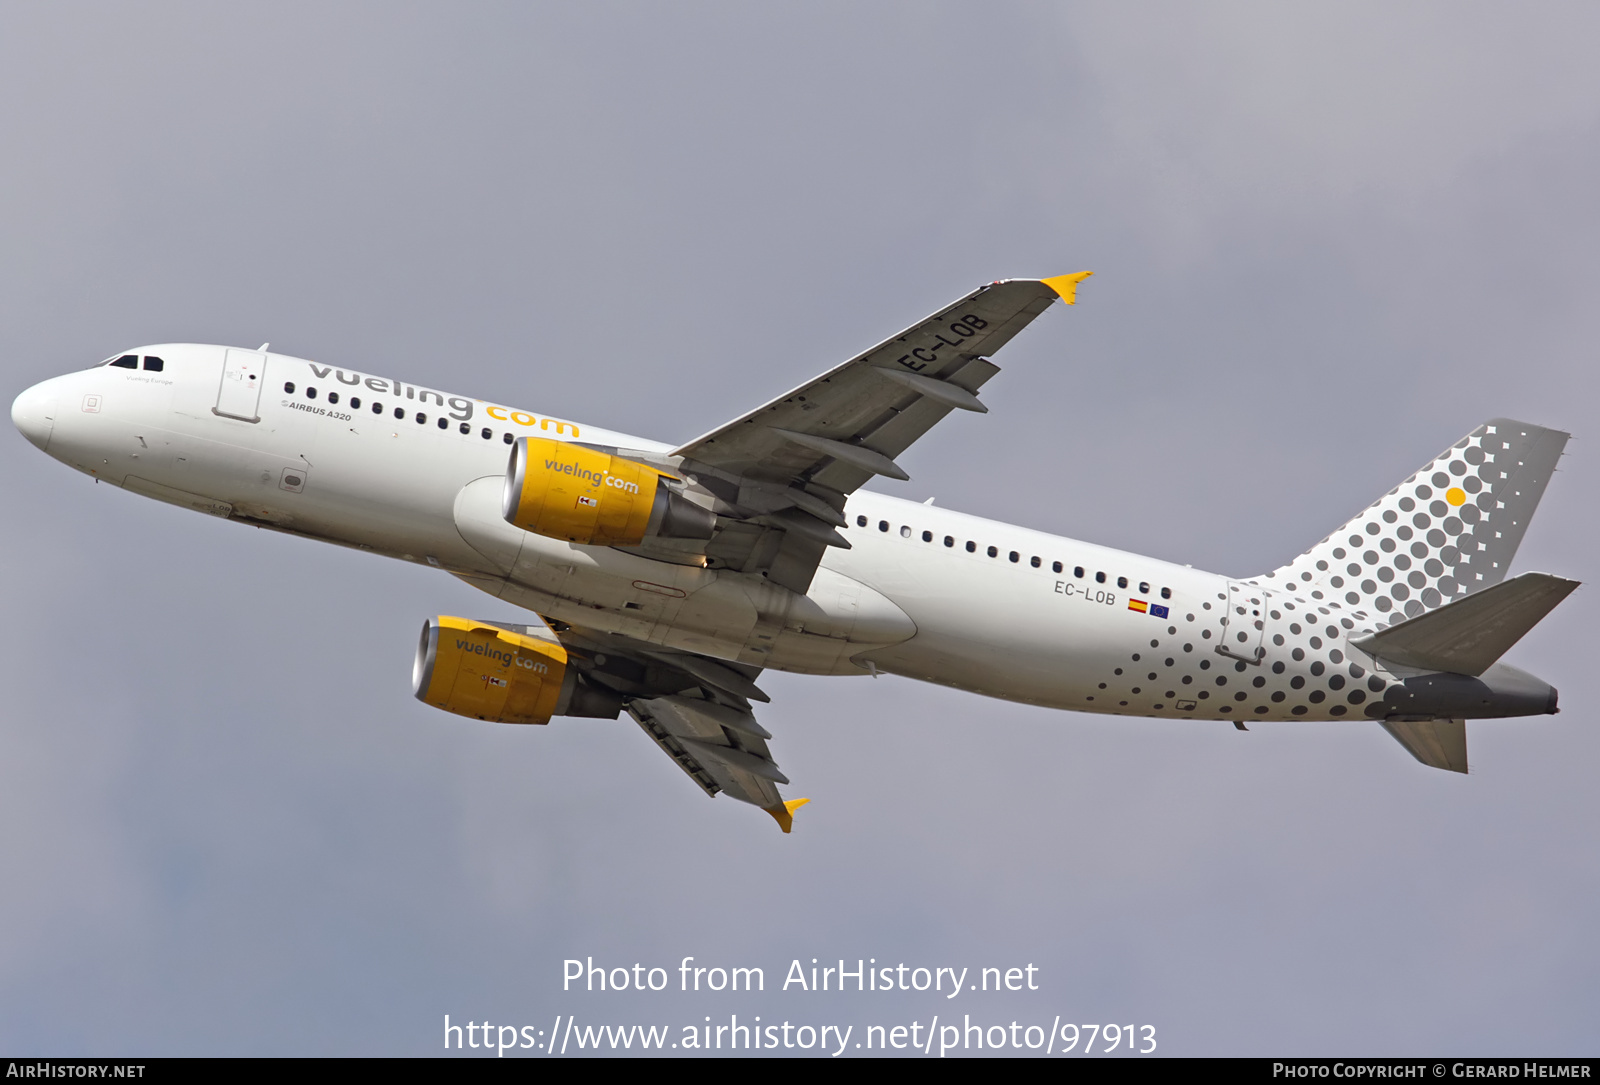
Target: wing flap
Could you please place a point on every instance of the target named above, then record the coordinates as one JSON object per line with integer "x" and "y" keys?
{"x": 697, "y": 735}
{"x": 697, "y": 709}
{"x": 673, "y": 747}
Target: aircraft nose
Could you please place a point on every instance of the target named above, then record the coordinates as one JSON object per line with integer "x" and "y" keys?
{"x": 34, "y": 414}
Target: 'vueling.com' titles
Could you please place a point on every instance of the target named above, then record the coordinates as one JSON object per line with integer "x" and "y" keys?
{"x": 460, "y": 408}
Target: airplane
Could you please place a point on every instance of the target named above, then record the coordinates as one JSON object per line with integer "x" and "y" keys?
{"x": 660, "y": 580}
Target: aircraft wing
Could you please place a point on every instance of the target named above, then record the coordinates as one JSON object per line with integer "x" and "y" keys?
{"x": 785, "y": 468}
{"x": 697, "y": 709}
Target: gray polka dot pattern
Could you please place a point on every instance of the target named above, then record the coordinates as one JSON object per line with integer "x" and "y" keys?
{"x": 1277, "y": 647}
{"x": 1447, "y": 531}
{"x": 1307, "y": 670}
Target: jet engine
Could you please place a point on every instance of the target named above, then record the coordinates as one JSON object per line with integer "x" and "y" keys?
{"x": 505, "y": 674}
{"x": 584, "y": 495}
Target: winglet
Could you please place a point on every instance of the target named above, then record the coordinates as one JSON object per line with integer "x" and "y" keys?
{"x": 1067, "y": 285}
{"x": 783, "y": 813}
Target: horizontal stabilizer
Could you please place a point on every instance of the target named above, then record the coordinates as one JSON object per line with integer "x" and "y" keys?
{"x": 1440, "y": 744}
{"x": 1469, "y": 635}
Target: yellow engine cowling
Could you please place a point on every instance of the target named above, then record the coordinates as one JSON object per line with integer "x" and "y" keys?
{"x": 583, "y": 495}
{"x": 489, "y": 673}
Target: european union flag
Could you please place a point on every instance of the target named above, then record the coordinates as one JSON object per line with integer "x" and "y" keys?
{"x": 1157, "y": 611}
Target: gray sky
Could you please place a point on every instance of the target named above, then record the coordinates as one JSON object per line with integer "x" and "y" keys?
{"x": 1328, "y": 241}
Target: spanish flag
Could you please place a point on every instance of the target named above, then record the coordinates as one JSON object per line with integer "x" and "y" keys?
{"x": 1140, "y": 605}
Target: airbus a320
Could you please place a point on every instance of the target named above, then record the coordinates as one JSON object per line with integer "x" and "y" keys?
{"x": 660, "y": 580}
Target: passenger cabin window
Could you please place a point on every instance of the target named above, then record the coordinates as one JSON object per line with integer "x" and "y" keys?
{"x": 1077, "y": 571}
{"x": 400, "y": 412}
{"x": 488, "y": 434}
{"x": 152, "y": 364}
{"x": 1144, "y": 588}
{"x": 288, "y": 387}
{"x": 883, "y": 525}
{"x": 1055, "y": 566}
{"x": 1122, "y": 582}
{"x": 510, "y": 439}
{"x": 333, "y": 397}
{"x": 861, "y": 521}
{"x": 127, "y": 361}
{"x": 377, "y": 408}
{"x": 949, "y": 540}
{"x": 972, "y": 547}
{"x": 1034, "y": 561}
{"x": 311, "y": 393}
{"x": 1166, "y": 593}
{"x": 355, "y": 403}
{"x": 1015, "y": 557}
{"x": 927, "y": 536}
{"x": 1099, "y": 578}
{"x": 994, "y": 552}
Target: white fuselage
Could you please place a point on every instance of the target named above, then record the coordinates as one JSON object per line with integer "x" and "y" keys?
{"x": 923, "y": 592}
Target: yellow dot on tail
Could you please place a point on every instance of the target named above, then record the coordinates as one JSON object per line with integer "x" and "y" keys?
{"x": 1456, "y": 495}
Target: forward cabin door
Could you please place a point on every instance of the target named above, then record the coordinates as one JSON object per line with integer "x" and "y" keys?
{"x": 1244, "y": 623}
{"x": 243, "y": 373}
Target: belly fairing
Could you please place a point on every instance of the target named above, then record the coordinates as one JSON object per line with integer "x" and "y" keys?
{"x": 715, "y": 612}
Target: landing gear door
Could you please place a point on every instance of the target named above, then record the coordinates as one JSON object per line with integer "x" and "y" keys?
{"x": 1244, "y": 623}
{"x": 243, "y": 374}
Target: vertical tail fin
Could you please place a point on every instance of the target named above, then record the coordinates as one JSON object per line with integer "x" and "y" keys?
{"x": 1449, "y": 530}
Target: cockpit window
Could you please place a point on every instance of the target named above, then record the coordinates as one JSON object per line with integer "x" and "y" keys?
{"x": 152, "y": 364}
{"x": 127, "y": 361}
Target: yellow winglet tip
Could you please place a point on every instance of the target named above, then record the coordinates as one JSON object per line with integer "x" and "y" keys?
{"x": 1067, "y": 285}
{"x": 783, "y": 813}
